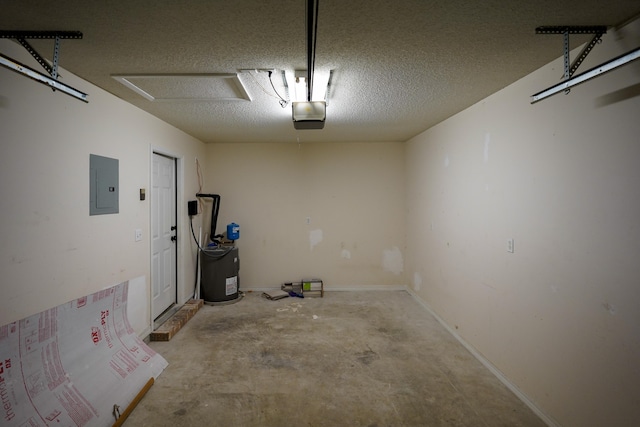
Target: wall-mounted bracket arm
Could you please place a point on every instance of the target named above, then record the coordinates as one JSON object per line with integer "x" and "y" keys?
{"x": 41, "y": 78}
{"x": 596, "y": 30}
{"x": 52, "y": 70}
{"x": 22, "y": 36}
{"x": 587, "y": 75}
{"x": 585, "y": 51}
{"x": 43, "y": 62}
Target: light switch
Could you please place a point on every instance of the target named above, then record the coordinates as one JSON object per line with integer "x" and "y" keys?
{"x": 138, "y": 234}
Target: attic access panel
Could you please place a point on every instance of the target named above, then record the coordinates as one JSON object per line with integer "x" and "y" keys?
{"x": 186, "y": 87}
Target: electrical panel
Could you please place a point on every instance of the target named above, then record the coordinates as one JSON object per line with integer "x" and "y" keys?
{"x": 103, "y": 188}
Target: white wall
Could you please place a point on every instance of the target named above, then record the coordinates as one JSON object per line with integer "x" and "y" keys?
{"x": 558, "y": 317}
{"x": 353, "y": 195}
{"x": 52, "y": 251}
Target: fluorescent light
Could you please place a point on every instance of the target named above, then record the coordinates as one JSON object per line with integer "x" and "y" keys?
{"x": 300, "y": 88}
{"x": 320, "y": 82}
{"x": 297, "y": 82}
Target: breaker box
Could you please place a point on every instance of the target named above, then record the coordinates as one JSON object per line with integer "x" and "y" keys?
{"x": 103, "y": 185}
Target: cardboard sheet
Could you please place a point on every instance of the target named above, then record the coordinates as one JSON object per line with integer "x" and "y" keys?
{"x": 69, "y": 366}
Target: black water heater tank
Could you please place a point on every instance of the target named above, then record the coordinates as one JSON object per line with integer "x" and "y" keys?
{"x": 219, "y": 276}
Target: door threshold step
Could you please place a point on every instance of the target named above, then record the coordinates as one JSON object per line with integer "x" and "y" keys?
{"x": 168, "y": 329}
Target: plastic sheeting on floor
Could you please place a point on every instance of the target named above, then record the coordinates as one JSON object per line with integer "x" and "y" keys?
{"x": 71, "y": 364}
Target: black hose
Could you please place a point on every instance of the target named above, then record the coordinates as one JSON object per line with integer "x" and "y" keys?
{"x": 204, "y": 251}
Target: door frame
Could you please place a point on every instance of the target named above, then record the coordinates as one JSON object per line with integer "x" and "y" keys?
{"x": 179, "y": 183}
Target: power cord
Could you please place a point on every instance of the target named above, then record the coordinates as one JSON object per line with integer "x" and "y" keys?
{"x": 283, "y": 102}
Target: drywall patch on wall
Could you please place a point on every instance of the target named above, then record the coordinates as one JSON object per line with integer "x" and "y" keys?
{"x": 487, "y": 140}
{"x": 345, "y": 254}
{"x": 315, "y": 237}
{"x": 610, "y": 308}
{"x": 417, "y": 281}
{"x": 392, "y": 260}
{"x": 446, "y": 161}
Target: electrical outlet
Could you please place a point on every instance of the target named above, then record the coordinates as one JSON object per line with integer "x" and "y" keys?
{"x": 510, "y": 247}
{"x": 138, "y": 234}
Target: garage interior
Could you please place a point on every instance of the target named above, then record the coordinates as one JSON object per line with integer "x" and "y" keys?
{"x": 462, "y": 229}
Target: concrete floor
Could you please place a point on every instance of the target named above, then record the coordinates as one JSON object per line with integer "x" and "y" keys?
{"x": 348, "y": 359}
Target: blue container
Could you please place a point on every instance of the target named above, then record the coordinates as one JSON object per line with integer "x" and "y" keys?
{"x": 233, "y": 231}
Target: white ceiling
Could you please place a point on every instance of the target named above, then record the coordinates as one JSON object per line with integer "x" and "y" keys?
{"x": 400, "y": 67}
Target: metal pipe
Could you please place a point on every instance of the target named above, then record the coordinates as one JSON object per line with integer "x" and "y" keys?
{"x": 215, "y": 208}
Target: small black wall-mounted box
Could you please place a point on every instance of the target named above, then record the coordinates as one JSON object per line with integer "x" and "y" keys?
{"x": 192, "y": 206}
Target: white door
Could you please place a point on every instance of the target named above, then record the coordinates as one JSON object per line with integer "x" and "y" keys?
{"x": 163, "y": 230}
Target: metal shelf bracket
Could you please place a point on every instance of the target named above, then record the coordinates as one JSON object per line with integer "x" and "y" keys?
{"x": 587, "y": 75}
{"x": 597, "y": 30}
{"x": 52, "y": 79}
{"x": 568, "y": 78}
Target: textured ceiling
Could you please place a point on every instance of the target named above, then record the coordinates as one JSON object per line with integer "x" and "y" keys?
{"x": 399, "y": 66}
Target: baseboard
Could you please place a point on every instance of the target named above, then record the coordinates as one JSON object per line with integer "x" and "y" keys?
{"x": 495, "y": 371}
{"x": 337, "y": 288}
{"x": 367, "y": 288}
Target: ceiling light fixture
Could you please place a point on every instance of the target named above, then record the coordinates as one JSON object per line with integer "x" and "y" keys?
{"x": 308, "y": 114}
{"x": 300, "y": 86}
{"x": 297, "y": 84}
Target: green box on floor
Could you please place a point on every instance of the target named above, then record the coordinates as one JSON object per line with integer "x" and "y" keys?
{"x": 313, "y": 287}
